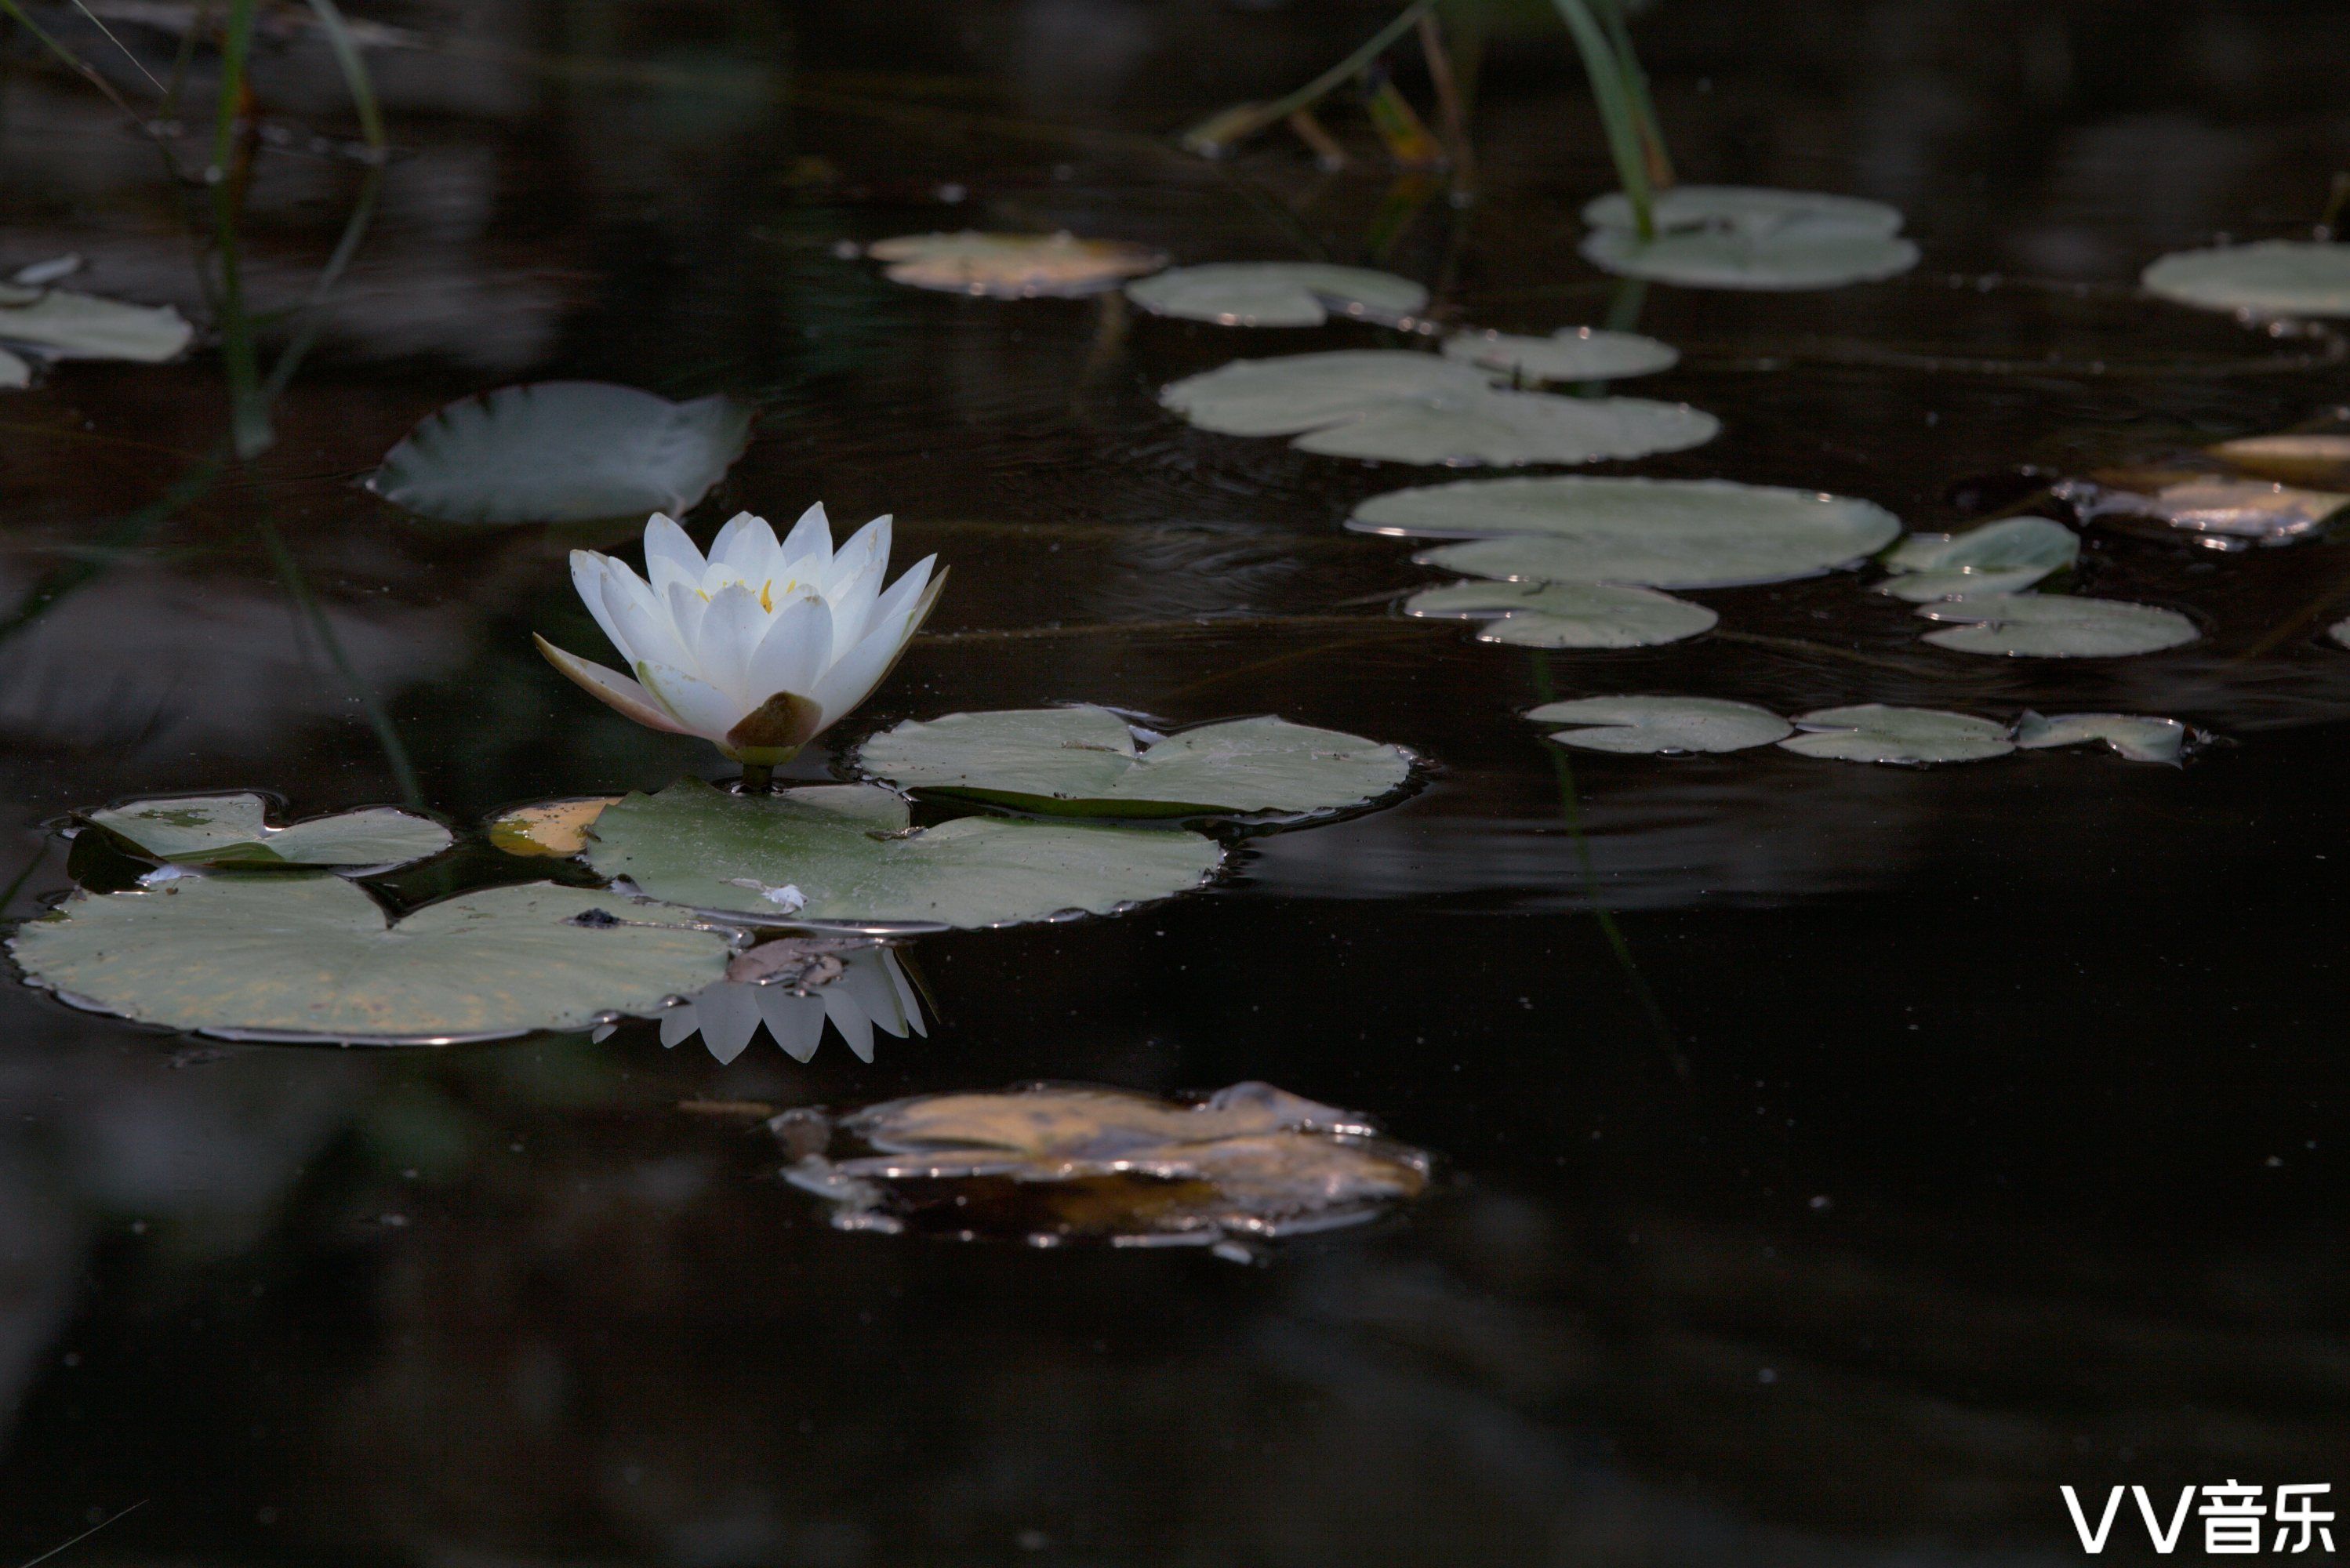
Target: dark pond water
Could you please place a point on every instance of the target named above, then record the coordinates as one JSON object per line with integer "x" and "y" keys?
{"x": 1948, "y": 1136}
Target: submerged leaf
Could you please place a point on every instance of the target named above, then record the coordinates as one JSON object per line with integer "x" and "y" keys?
{"x": 1666, "y": 533}
{"x": 1662, "y": 726}
{"x": 1276, "y": 293}
{"x": 314, "y": 958}
{"x": 2006, "y": 556}
{"x": 2138, "y": 738}
{"x": 847, "y": 853}
{"x": 1013, "y": 266}
{"x": 233, "y": 830}
{"x": 2056, "y": 626}
{"x": 2269, "y": 278}
{"x": 1565, "y": 614}
{"x": 1396, "y": 407}
{"x": 58, "y": 324}
{"x": 1874, "y": 732}
{"x": 1085, "y": 760}
{"x": 563, "y": 451}
{"x": 1570, "y": 354}
{"x": 1055, "y": 1163}
{"x": 553, "y": 827}
{"x": 2319, "y": 460}
{"x": 1733, "y": 236}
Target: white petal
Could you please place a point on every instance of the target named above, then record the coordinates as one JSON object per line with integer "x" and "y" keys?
{"x": 794, "y": 653}
{"x": 646, "y": 630}
{"x": 810, "y": 541}
{"x": 909, "y": 1002}
{"x": 700, "y": 708}
{"x": 796, "y": 1022}
{"x": 670, "y": 554}
{"x": 587, "y": 576}
{"x": 612, "y": 689}
{"x": 729, "y": 1016}
{"x": 865, "y": 977}
{"x": 903, "y": 595}
{"x": 748, "y": 546}
{"x": 854, "y": 676}
{"x": 679, "y": 1023}
{"x": 686, "y": 608}
{"x": 732, "y": 629}
{"x": 852, "y": 602}
{"x": 850, "y": 1019}
{"x": 871, "y": 542}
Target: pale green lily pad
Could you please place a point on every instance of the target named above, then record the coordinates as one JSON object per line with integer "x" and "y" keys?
{"x": 2272, "y": 277}
{"x": 233, "y": 830}
{"x": 563, "y": 451}
{"x": 2001, "y": 557}
{"x": 2056, "y": 626}
{"x": 1874, "y": 732}
{"x": 1565, "y": 614}
{"x": 1570, "y": 354}
{"x": 1662, "y": 726}
{"x": 1276, "y": 293}
{"x": 314, "y": 958}
{"x": 1664, "y": 533}
{"x": 2138, "y": 738}
{"x": 1391, "y": 406}
{"x": 58, "y": 324}
{"x": 1085, "y": 760}
{"x": 847, "y": 856}
{"x": 1743, "y": 238}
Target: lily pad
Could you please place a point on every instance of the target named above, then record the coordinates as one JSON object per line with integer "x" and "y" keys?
{"x": 2269, "y": 278}
{"x": 2006, "y": 556}
{"x": 1086, "y": 762}
{"x": 314, "y": 958}
{"x": 1276, "y": 293}
{"x": 1565, "y": 614}
{"x": 2257, "y": 510}
{"x": 2320, "y": 459}
{"x": 847, "y": 854}
{"x": 2135, "y": 736}
{"x": 1745, "y": 237}
{"x": 1013, "y": 266}
{"x": 1662, "y": 726}
{"x": 1664, "y": 533}
{"x": 15, "y": 372}
{"x": 1874, "y": 732}
{"x": 1391, "y": 406}
{"x": 2056, "y": 626}
{"x": 555, "y": 827}
{"x": 58, "y": 324}
{"x": 233, "y": 830}
{"x": 1570, "y": 354}
{"x": 1058, "y": 1163}
{"x": 563, "y": 451}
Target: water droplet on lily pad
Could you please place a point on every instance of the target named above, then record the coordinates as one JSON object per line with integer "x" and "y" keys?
{"x": 1565, "y": 614}
{"x": 2269, "y": 278}
{"x": 2317, "y": 459}
{"x": 1570, "y": 354}
{"x": 233, "y": 830}
{"x": 1085, "y": 760}
{"x": 1058, "y": 1163}
{"x": 1390, "y": 405}
{"x": 2006, "y": 556}
{"x": 1665, "y": 534}
{"x": 849, "y": 853}
{"x": 314, "y": 958}
{"x": 58, "y": 324}
{"x": 1276, "y": 293}
{"x": 1877, "y": 732}
{"x": 563, "y": 451}
{"x": 2134, "y": 736}
{"x": 555, "y": 827}
{"x": 1747, "y": 237}
{"x": 1662, "y": 726}
{"x": 2056, "y": 626}
{"x": 1013, "y": 266}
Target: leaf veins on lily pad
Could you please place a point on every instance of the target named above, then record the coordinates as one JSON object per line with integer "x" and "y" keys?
{"x": 1276, "y": 293}
{"x": 314, "y": 958}
{"x": 233, "y": 830}
{"x": 1389, "y": 405}
{"x": 848, "y": 855}
{"x": 2056, "y": 626}
{"x": 1657, "y": 532}
{"x": 1662, "y": 726}
{"x": 1059, "y": 1163}
{"x": 2134, "y": 736}
{"x": 563, "y": 451}
{"x": 1086, "y": 761}
{"x": 1877, "y": 732}
{"x": 1013, "y": 266}
{"x": 1747, "y": 237}
{"x": 1570, "y": 354}
{"x": 1565, "y": 615}
{"x": 2269, "y": 278}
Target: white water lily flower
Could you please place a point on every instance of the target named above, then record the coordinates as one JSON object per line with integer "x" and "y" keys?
{"x": 757, "y": 647}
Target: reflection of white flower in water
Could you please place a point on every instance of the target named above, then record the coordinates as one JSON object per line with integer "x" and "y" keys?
{"x": 808, "y": 979}
{"x": 756, "y": 648}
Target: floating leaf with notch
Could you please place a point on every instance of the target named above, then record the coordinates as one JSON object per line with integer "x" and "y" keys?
{"x": 1570, "y": 354}
{"x": 1662, "y": 726}
{"x": 1276, "y": 293}
{"x": 1747, "y": 237}
{"x": 1877, "y": 732}
{"x": 2056, "y": 626}
{"x": 2269, "y": 278}
{"x": 1565, "y": 614}
{"x": 2135, "y": 736}
{"x": 2006, "y": 556}
{"x": 233, "y": 830}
